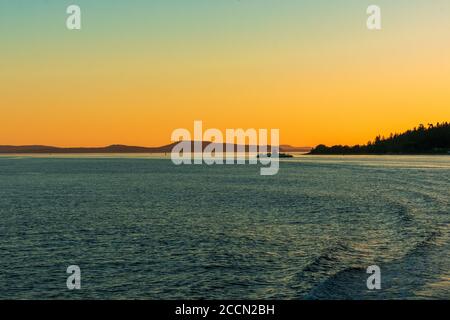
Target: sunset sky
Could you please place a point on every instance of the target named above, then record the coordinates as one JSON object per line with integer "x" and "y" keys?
{"x": 139, "y": 69}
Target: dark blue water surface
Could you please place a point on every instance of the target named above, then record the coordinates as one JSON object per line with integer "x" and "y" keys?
{"x": 143, "y": 228}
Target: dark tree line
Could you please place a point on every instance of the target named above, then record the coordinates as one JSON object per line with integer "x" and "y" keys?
{"x": 434, "y": 139}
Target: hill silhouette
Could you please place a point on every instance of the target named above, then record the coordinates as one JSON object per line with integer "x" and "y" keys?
{"x": 117, "y": 148}
{"x": 434, "y": 139}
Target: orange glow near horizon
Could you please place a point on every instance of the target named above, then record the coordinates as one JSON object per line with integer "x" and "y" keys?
{"x": 332, "y": 84}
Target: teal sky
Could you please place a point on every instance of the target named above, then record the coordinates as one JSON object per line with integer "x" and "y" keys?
{"x": 205, "y": 24}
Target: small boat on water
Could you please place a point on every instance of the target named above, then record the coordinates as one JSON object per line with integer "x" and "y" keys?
{"x": 279, "y": 155}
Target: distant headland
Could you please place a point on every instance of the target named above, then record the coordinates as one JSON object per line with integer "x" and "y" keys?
{"x": 117, "y": 148}
{"x": 434, "y": 139}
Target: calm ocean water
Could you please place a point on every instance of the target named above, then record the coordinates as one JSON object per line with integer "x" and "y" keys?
{"x": 142, "y": 228}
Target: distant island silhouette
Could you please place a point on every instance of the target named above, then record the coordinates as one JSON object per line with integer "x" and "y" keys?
{"x": 117, "y": 148}
{"x": 434, "y": 139}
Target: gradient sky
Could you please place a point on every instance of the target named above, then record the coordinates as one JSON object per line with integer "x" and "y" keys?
{"x": 139, "y": 69}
